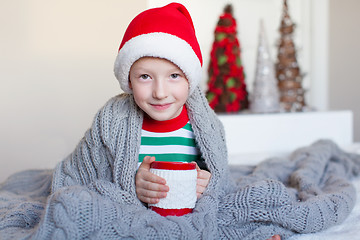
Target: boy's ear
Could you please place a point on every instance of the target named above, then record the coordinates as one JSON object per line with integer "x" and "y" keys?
{"x": 130, "y": 84}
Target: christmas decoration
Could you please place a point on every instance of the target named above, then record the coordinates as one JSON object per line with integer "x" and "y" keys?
{"x": 265, "y": 94}
{"x": 226, "y": 85}
{"x": 287, "y": 69}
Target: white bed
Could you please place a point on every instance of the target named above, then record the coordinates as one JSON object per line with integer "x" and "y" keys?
{"x": 277, "y": 135}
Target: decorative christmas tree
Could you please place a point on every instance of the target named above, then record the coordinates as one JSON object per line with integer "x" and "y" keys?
{"x": 265, "y": 94}
{"x": 226, "y": 84}
{"x": 287, "y": 68}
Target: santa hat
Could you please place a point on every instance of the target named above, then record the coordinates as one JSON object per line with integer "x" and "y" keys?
{"x": 167, "y": 32}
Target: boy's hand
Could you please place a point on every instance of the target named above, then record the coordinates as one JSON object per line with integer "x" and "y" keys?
{"x": 203, "y": 178}
{"x": 149, "y": 187}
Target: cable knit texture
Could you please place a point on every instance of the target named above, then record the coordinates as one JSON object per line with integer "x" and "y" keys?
{"x": 91, "y": 193}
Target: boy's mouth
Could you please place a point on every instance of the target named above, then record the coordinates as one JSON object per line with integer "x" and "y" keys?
{"x": 161, "y": 106}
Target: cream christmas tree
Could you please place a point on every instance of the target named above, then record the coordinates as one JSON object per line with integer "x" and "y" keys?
{"x": 265, "y": 94}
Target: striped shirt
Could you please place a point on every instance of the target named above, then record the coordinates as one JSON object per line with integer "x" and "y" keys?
{"x": 172, "y": 140}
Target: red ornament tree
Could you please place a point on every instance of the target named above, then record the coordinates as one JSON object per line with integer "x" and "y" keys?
{"x": 226, "y": 85}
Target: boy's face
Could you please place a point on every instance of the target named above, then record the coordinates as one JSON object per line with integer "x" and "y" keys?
{"x": 160, "y": 88}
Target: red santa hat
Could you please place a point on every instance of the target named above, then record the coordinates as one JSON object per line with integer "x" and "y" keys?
{"x": 166, "y": 32}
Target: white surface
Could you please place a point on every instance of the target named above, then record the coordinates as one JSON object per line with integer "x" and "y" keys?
{"x": 255, "y": 136}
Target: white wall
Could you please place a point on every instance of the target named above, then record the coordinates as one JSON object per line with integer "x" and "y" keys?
{"x": 344, "y": 61}
{"x": 56, "y": 71}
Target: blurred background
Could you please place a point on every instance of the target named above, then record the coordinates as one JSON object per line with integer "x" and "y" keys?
{"x": 56, "y": 63}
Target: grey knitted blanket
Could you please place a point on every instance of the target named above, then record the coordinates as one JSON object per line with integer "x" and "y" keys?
{"x": 91, "y": 194}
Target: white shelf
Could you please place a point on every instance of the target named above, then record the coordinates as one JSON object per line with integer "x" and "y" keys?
{"x": 257, "y": 136}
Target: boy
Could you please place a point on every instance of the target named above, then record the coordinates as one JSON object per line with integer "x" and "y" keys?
{"x": 161, "y": 85}
{"x": 161, "y": 89}
{"x": 159, "y": 62}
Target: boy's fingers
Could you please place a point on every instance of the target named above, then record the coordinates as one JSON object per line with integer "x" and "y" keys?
{"x": 202, "y": 174}
{"x": 146, "y": 162}
{"x": 202, "y": 182}
{"x": 200, "y": 189}
{"x": 197, "y": 166}
{"x": 203, "y": 179}
{"x": 151, "y": 186}
{"x": 149, "y": 200}
{"x": 151, "y": 194}
{"x": 153, "y": 178}
{"x": 145, "y": 174}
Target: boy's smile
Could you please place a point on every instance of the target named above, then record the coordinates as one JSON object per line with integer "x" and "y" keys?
{"x": 160, "y": 88}
{"x": 161, "y": 107}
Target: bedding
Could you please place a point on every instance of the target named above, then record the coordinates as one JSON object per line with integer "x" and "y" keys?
{"x": 349, "y": 229}
{"x": 309, "y": 191}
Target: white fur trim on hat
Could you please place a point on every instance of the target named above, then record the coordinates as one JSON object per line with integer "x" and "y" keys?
{"x": 161, "y": 45}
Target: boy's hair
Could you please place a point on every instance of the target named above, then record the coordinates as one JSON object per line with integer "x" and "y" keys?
{"x": 167, "y": 32}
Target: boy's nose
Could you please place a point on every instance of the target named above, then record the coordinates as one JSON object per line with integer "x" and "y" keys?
{"x": 160, "y": 90}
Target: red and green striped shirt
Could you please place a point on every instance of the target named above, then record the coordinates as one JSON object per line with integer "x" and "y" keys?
{"x": 172, "y": 140}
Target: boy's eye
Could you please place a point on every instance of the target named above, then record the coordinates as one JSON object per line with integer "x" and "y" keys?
{"x": 175, "y": 75}
{"x": 145, "y": 76}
